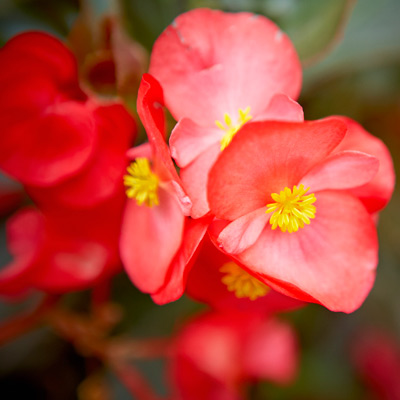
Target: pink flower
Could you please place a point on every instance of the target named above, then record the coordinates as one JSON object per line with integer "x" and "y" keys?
{"x": 218, "y": 71}
{"x": 217, "y": 354}
{"x": 157, "y": 239}
{"x": 291, "y": 209}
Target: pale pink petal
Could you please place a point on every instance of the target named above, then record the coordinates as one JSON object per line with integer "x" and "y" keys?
{"x": 281, "y": 108}
{"x": 195, "y": 178}
{"x": 244, "y": 231}
{"x": 344, "y": 170}
{"x": 188, "y": 140}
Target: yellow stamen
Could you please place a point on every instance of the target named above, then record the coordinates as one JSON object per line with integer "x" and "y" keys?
{"x": 241, "y": 282}
{"x": 230, "y": 128}
{"x": 142, "y": 183}
{"x": 292, "y": 209}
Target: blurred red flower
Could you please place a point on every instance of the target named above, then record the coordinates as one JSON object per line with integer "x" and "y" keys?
{"x": 376, "y": 357}
{"x": 56, "y": 137}
{"x": 217, "y": 354}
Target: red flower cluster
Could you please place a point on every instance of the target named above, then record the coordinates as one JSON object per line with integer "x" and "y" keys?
{"x": 60, "y": 143}
{"x": 290, "y": 203}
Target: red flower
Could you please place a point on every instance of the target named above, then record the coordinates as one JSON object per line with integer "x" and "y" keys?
{"x": 54, "y": 136}
{"x": 216, "y": 354}
{"x": 214, "y": 67}
{"x": 291, "y": 215}
{"x": 60, "y": 250}
{"x": 226, "y": 285}
{"x": 157, "y": 240}
{"x": 376, "y": 357}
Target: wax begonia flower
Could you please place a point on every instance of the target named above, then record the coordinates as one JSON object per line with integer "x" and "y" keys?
{"x": 226, "y": 285}
{"x": 218, "y": 71}
{"x": 217, "y": 354}
{"x": 57, "y": 140}
{"x": 290, "y": 215}
{"x": 101, "y": 178}
{"x": 60, "y": 250}
{"x": 39, "y": 94}
{"x": 157, "y": 239}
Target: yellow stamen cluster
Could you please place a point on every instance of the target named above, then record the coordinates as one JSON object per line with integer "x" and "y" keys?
{"x": 230, "y": 128}
{"x": 242, "y": 283}
{"x": 142, "y": 183}
{"x": 292, "y": 209}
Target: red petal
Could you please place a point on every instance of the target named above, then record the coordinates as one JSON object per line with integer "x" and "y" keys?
{"x": 102, "y": 177}
{"x": 182, "y": 262}
{"x": 55, "y": 145}
{"x": 150, "y": 108}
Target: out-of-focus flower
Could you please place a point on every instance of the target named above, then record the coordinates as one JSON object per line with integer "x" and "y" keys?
{"x": 376, "y": 357}
{"x": 60, "y": 250}
{"x": 217, "y": 354}
{"x": 214, "y": 67}
{"x": 157, "y": 240}
{"x": 109, "y": 60}
{"x": 226, "y": 285}
{"x": 54, "y": 136}
{"x": 291, "y": 217}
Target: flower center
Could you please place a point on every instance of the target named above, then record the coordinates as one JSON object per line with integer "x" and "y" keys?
{"x": 141, "y": 183}
{"x": 230, "y": 128}
{"x": 241, "y": 282}
{"x": 292, "y": 209}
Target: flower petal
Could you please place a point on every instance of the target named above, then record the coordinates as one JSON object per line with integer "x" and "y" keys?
{"x": 343, "y": 170}
{"x": 150, "y": 239}
{"x": 244, "y": 231}
{"x": 205, "y": 63}
{"x": 188, "y": 140}
{"x": 376, "y": 193}
{"x": 182, "y": 262}
{"x": 263, "y": 158}
{"x": 332, "y": 260}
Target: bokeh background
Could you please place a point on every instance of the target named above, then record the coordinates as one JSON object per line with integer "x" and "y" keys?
{"x": 350, "y": 51}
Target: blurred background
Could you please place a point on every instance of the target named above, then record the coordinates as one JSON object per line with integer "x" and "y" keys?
{"x": 350, "y": 51}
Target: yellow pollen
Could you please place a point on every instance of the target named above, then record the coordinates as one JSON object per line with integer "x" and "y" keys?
{"x": 241, "y": 282}
{"x": 141, "y": 183}
{"x": 292, "y": 209}
{"x": 230, "y": 128}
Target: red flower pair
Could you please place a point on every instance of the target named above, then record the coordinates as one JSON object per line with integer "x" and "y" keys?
{"x": 292, "y": 202}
